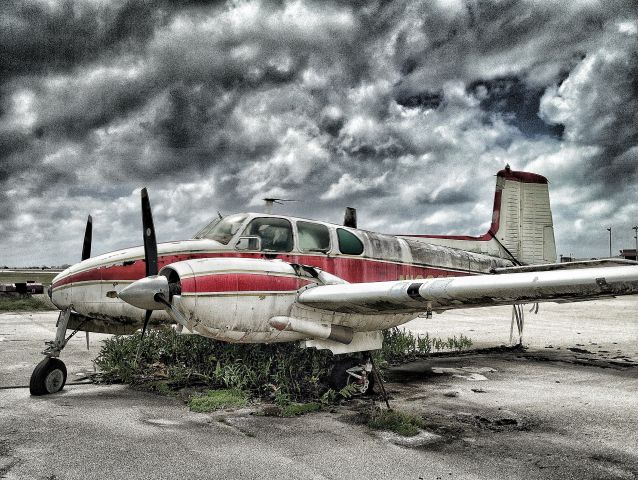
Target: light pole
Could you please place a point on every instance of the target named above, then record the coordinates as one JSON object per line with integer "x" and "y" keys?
{"x": 609, "y": 230}
{"x": 635, "y": 229}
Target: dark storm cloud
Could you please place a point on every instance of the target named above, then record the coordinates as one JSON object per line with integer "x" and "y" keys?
{"x": 404, "y": 109}
{"x": 518, "y": 101}
{"x": 423, "y": 99}
{"x": 40, "y": 38}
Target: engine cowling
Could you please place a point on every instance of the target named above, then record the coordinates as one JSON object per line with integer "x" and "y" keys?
{"x": 233, "y": 299}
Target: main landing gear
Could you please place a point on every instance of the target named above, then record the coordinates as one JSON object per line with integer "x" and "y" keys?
{"x": 49, "y": 376}
{"x": 360, "y": 376}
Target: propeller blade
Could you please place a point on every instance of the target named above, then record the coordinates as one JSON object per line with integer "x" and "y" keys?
{"x": 146, "y": 319}
{"x": 173, "y": 312}
{"x": 88, "y": 236}
{"x": 150, "y": 243}
{"x": 139, "y": 345}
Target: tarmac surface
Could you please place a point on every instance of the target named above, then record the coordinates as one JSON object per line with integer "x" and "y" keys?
{"x": 564, "y": 408}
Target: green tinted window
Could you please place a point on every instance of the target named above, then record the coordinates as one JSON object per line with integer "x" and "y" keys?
{"x": 313, "y": 237}
{"x": 349, "y": 243}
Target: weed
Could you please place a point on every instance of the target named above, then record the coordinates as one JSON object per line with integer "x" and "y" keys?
{"x": 162, "y": 387}
{"x": 424, "y": 344}
{"x": 402, "y": 345}
{"x": 349, "y": 391}
{"x": 296, "y": 409}
{"x": 328, "y": 397}
{"x": 22, "y": 304}
{"x": 217, "y": 399}
{"x": 264, "y": 371}
{"x": 284, "y": 372}
{"x": 401, "y": 423}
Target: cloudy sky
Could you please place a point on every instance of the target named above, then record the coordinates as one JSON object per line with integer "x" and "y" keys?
{"x": 404, "y": 109}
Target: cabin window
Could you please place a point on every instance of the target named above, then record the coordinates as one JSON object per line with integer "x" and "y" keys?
{"x": 222, "y": 230}
{"x": 275, "y": 233}
{"x": 313, "y": 237}
{"x": 349, "y": 243}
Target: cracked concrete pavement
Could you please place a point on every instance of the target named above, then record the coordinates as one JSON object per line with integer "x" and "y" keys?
{"x": 547, "y": 412}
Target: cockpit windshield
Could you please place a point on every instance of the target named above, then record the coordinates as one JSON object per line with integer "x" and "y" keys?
{"x": 222, "y": 230}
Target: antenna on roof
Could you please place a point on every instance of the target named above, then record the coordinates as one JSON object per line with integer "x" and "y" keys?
{"x": 271, "y": 201}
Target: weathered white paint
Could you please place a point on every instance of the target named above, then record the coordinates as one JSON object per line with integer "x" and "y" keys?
{"x": 474, "y": 291}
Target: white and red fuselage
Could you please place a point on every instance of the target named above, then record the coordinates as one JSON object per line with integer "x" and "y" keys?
{"x": 230, "y": 292}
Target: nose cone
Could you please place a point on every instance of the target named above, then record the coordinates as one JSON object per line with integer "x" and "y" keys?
{"x": 141, "y": 293}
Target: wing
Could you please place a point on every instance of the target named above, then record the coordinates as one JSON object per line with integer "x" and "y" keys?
{"x": 441, "y": 294}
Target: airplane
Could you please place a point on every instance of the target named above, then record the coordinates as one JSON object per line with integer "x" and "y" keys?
{"x": 262, "y": 278}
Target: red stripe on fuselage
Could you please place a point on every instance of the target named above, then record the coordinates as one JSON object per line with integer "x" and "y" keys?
{"x": 241, "y": 282}
{"x": 351, "y": 269}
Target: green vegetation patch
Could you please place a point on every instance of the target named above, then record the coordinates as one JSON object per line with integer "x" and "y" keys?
{"x": 402, "y": 345}
{"x": 284, "y": 372}
{"x": 402, "y": 423}
{"x": 296, "y": 409}
{"x": 218, "y": 399}
{"x": 22, "y": 304}
{"x": 263, "y": 371}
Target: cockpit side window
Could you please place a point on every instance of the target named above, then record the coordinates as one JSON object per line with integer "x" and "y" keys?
{"x": 313, "y": 237}
{"x": 222, "y": 230}
{"x": 275, "y": 233}
{"x": 349, "y": 243}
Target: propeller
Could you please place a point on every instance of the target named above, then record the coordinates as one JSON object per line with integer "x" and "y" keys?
{"x": 86, "y": 253}
{"x": 150, "y": 248}
{"x": 150, "y": 243}
{"x": 151, "y": 292}
{"x": 88, "y": 236}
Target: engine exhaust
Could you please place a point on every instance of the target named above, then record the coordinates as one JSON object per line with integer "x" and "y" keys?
{"x": 327, "y": 331}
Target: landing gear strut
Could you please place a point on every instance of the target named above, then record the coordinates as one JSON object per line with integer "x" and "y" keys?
{"x": 49, "y": 376}
{"x": 351, "y": 371}
{"x": 362, "y": 376}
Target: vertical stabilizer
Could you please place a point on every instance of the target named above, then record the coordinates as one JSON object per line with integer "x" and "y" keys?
{"x": 525, "y": 226}
{"x": 522, "y": 229}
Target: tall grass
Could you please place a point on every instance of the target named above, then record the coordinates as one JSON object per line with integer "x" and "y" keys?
{"x": 283, "y": 372}
{"x": 184, "y": 360}
{"x": 26, "y": 303}
{"x": 403, "y": 345}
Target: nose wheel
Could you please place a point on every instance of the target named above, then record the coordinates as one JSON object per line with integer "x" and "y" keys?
{"x": 49, "y": 376}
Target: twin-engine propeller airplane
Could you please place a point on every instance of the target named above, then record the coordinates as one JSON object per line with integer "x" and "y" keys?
{"x": 269, "y": 278}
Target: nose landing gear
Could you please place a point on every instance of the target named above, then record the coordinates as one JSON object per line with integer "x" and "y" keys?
{"x": 49, "y": 376}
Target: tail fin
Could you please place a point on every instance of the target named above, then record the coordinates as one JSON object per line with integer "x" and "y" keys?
{"x": 523, "y": 217}
{"x": 522, "y": 229}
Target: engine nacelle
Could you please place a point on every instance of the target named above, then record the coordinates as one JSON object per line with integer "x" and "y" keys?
{"x": 233, "y": 299}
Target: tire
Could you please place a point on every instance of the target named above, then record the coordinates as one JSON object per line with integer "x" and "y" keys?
{"x": 49, "y": 376}
{"x": 339, "y": 377}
